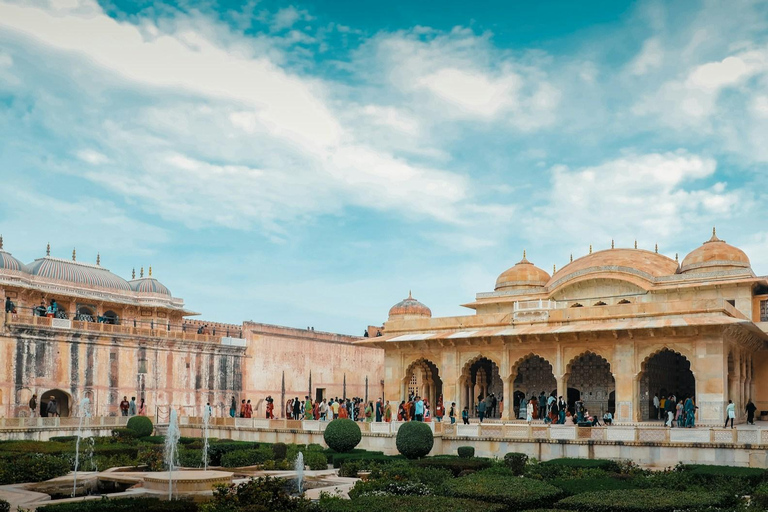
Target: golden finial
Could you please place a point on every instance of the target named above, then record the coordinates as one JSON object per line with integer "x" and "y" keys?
{"x": 74, "y": 255}
{"x": 612, "y": 246}
{"x": 1, "y": 242}
{"x": 676, "y": 260}
{"x": 554, "y": 269}
{"x": 150, "y": 271}
{"x": 98, "y": 258}
{"x": 571, "y": 257}
{"x": 133, "y": 273}
{"x": 635, "y": 244}
{"x": 714, "y": 232}
{"x": 48, "y": 249}
{"x": 409, "y": 294}
{"x": 590, "y": 248}
{"x": 523, "y": 253}
{"x": 657, "y": 249}
{"x": 141, "y": 273}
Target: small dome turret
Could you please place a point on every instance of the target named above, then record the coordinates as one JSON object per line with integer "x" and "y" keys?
{"x": 714, "y": 255}
{"x": 523, "y": 275}
{"x": 410, "y": 308}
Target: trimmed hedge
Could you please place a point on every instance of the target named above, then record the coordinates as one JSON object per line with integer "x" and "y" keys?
{"x": 516, "y": 462}
{"x": 123, "y": 505}
{"x": 153, "y": 439}
{"x": 279, "y": 451}
{"x": 604, "y": 464}
{"x": 414, "y": 439}
{"x": 392, "y": 503}
{"x": 644, "y": 500}
{"x": 342, "y": 435}
{"x": 217, "y": 450}
{"x": 315, "y": 460}
{"x": 466, "y": 452}
{"x": 455, "y": 465}
{"x": 32, "y": 467}
{"x": 240, "y": 458}
{"x": 514, "y": 492}
{"x": 63, "y": 439}
{"x": 141, "y": 425}
{"x": 123, "y": 435}
{"x": 572, "y": 486}
{"x": 5, "y": 506}
{"x": 339, "y": 459}
{"x": 760, "y": 496}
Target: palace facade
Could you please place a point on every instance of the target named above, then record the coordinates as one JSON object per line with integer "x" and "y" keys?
{"x": 612, "y": 328}
{"x": 111, "y": 337}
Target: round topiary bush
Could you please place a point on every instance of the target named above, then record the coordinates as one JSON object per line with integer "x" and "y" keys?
{"x": 141, "y": 425}
{"x": 414, "y": 439}
{"x": 342, "y": 435}
{"x": 516, "y": 462}
{"x": 466, "y": 452}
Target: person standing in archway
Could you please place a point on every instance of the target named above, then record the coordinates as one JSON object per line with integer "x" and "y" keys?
{"x": 730, "y": 413}
{"x": 656, "y": 403}
{"x": 53, "y": 407}
{"x": 690, "y": 412}
{"x": 33, "y": 406}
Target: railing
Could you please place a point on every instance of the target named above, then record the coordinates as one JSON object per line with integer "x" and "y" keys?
{"x": 520, "y": 431}
{"x": 150, "y": 329}
{"x": 529, "y": 305}
{"x": 38, "y": 422}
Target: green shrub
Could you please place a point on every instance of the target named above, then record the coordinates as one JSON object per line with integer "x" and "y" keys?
{"x": 123, "y": 505}
{"x": 342, "y": 435}
{"x": 604, "y": 464}
{"x": 279, "y": 451}
{"x": 256, "y": 495}
{"x": 338, "y": 459}
{"x": 760, "y": 496}
{"x": 151, "y": 456}
{"x": 516, "y": 462}
{"x": 49, "y": 447}
{"x": 315, "y": 460}
{"x": 5, "y": 506}
{"x": 644, "y": 500}
{"x": 32, "y": 467}
{"x": 190, "y": 458}
{"x": 123, "y": 435}
{"x": 241, "y": 458}
{"x": 216, "y": 450}
{"x": 414, "y": 439}
{"x": 709, "y": 474}
{"x": 394, "y": 503}
{"x": 466, "y": 452}
{"x": 141, "y": 425}
{"x": 62, "y": 439}
{"x": 514, "y": 492}
{"x": 153, "y": 439}
{"x": 571, "y": 486}
{"x": 455, "y": 465}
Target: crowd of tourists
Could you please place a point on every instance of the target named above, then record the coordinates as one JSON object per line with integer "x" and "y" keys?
{"x": 555, "y": 410}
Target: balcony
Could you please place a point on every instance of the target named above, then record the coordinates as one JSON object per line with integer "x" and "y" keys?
{"x": 129, "y": 328}
{"x": 533, "y": 310}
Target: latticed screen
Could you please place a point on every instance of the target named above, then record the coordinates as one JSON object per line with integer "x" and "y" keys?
{"x": 764, "y": 310}
{"x": 413, "y": 384}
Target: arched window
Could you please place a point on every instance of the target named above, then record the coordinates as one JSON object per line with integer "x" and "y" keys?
{"x": 109, "y": 317}
{"x": 84, "y": 313}
{"x": 624, "y": 301}
{"x": 600, "y": 303}
{"x": 576, "y": 305}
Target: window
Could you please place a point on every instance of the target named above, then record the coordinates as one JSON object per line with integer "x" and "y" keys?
{"x": 600, "y": 303}
{"x": 732, "y": 302}
{"x": 624, "y": 301}
{"x": 764, "y": 310}
{"x": 577, "y": 305}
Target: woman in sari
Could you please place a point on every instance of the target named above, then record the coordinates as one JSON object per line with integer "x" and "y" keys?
{"x": 388, "y": 413}
{"x": 401, "y": 411}
{"x": 308, "y": 409}
{"x": 343, "y": 414}
{"x": 369, "y": 412}
{"x": 316, "y": 411}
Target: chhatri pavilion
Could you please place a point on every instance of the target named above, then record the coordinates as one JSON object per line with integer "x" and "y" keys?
{"x": 612, "y": 328}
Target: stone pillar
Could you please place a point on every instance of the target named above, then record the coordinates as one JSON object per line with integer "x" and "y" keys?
{"x": 508, "y": 401}
{"x": 562, "y": 385}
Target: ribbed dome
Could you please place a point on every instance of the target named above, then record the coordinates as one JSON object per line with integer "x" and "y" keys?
{"x": 410, "y": 307}
{"x": 149, "y": 285}
{"x": 523, "y": 275}
{"x": 77, "y": 273}
{"x": 8, "y": 262}
{"x": 647, "y": 264}
{"x": 715, "y": 255}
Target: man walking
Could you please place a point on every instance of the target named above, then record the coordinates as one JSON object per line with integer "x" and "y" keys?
{"x": 53, "y": 407}
{"x": 751, "y": 412}
{"x": 730, "y": 413}
{"x": 132, "y": 407}
{"x": 481, "y": 408}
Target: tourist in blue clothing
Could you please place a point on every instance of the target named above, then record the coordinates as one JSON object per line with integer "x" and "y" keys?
{"x": 419, "y": 409}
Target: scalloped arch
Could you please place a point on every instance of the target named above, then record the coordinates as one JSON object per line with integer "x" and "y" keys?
{"x": 475, "y": 358}
{"x": 658, "y": 350}
{"x": 514, "y": 367}
{"x": 583, "y": 353}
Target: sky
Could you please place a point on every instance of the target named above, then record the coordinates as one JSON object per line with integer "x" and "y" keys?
{"x": 309, "y": 163}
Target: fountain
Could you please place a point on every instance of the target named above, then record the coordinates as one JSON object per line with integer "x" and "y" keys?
{"x": 298, "y": 466}
{"x": 172, "y": 449}
{"x": 85, "y": 412}
{"x": 206, "y": 424}
{"x": 185, "y": 482}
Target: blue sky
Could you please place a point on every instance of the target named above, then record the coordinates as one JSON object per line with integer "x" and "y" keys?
{"x": 307, "y": 164}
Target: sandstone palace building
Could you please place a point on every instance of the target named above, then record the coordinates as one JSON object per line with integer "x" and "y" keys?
{"x": 611, "y": 328}
{"x": 112, "y": 337}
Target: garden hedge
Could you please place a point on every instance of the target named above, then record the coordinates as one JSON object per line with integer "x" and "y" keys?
{"x": 217, "y": 450}
{"x": 395, "y": 503}
{"x": 241, "y": 458}
{"x": 315, "y": 460}
{"x": 514, "y": 492}
{"x": 604, "y": 464}
{"x": 466, "y": 452}
{"x": 5, "y": 506}
{"x": 760, "y": 496}
{"x": 123, "y": 505}
{"x": 32, "y": 467}
{"x": 516, "y": 462}
{"x": 279, "y": 451}
{"x": 414, "y": 439}
{"x": 141, "y": 425}
{"x": 571, "y": 486}
{"x": 455, "y": 465}
{"x": 342, "y": 435}
{"x": 644, "y": 500}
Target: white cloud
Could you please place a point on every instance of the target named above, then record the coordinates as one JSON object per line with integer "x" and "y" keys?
{"x": 288, "y": 17}
{"x": 636, "y": 196}
{"x": 651, "y": 57}
{"x": 92, "y": 157}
